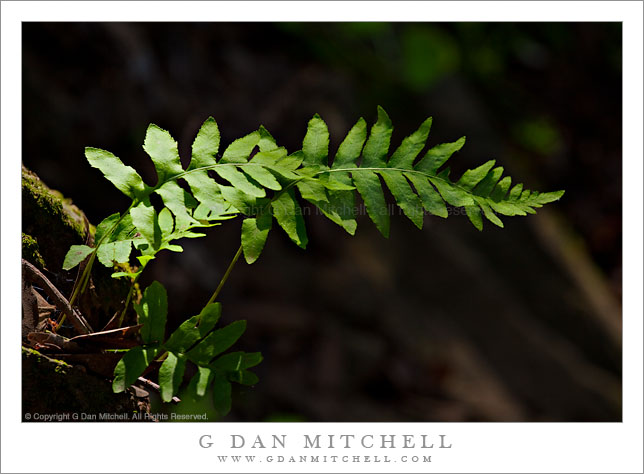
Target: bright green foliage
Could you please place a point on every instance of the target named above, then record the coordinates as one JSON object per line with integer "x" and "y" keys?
{"x": 258, "y": 180}
{"x": 254, "y": 234}
{"x": 131, "y": 366}
{"x": 75, "y": 255}
{"x": 196, "y": 341}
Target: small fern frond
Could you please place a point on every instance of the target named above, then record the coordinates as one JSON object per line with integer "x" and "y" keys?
{"x": 196, "y": 340}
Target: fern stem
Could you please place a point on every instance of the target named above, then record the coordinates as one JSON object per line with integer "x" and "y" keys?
{"x": 84, "y": 280}
{"x": 332, "y": 170}
{"x": 80, "y": 288}
{"x": 225, "y": 277}
{"x": 81, "y": 282}
{"x": 128, "y": 299}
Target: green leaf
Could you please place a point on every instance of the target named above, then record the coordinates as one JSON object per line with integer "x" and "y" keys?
{"x": 145, "y": 259}
{"x": 266, "y": 140}
{"x": 254, "y": 234}
{"x": 489, "y": 213}
{"x": 187, "y": 234}
{"x": 275, "y": 157}
{"x": 438, "y": 155}
{"x": 201, "y": 381}
{"x": 131, "y": 366}
{"x": 430, "y": 198}
{"x": 208, "y": 318}
{"x": 144, "y": 218}
{"x": 216, "y": 342}
{"x": 452, "y": 194}
{"x": 472, "y": 177}
{"x": 312, "y": 190}
{"x": 524, "y": 195}
{"x": 184, "y": 336}
{"x": 163, "y": 150}
{"x": 484, "y": 188}
{"x": 242, "y": 202}
{"x": 112, "y": 253}
{"x": 288, "y": 214}
{"x": 193, "y": 329}
{"x": 336, "y": 185}
{"x": 350, "y": 148}
{"x": 106, "y": 226}
{"x": 177, "y": 199}
{"x": 166, "y": 223}
{"x": 340, "y": 209}
{"x": 152, "y": 312}
{"x": 501, "y": 189}
{"x": 239, "y": 150}
{"x": 368, "y": 185}
{"x": 75, "y": 255}
{"x": 124, "y": 230}
{"x": 506, "y": 208}
{"x": 411, "y": 146}
{"x": 206, "y": 145}
{"x": 316, "y": 143}
{"x": 124, "y": 274}
{"x": 262, "y": 176}
{"x": 171, "y": 375}
{"x": 341, "y": 199}
{"x": 240, "y": 181}
{"x": 125, "y": 178}
{"x": 405, "y": 196}
{"x": 292, "y": 161}
{"x": 474, "y": 214}
{"x": 377, "y": 146}
{"x": 235, "y": 361}
{"x": 246, "y": 377}
{"x": 251, "y": 359}
{"x": 545, "y": 198}
{"x": 221, "y": 395}
{"x": 515, "y": 192}
{"x": 206, "y": 191}
{"x": 171, "y": 247}
{"x": 230, "y": 362}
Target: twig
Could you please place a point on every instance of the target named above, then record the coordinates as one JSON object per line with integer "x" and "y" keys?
{"x": 33, "y": 275}
{"x": 89, "y": 240}
{"x": 156, "y": 387}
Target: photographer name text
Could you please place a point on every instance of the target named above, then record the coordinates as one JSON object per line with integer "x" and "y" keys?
{"x": 332, "y": 441}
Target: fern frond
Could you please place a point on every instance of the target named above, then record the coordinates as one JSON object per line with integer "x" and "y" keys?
{"x": 257, "y": 179}
{"x": 197, "y": 341}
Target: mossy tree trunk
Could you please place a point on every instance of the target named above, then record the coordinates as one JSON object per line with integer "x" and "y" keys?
{"x": 51, "y": 224}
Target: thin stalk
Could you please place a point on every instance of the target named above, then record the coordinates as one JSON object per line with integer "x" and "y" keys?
{"x": 333, "y": 170}
{"x": 84, "y": 280}
{"x": 225, "y": 277}
{"x": 127, "y": 300}
{"x": 82, "y": 283}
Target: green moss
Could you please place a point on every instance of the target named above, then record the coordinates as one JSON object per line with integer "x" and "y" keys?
{"x": 53, "y": 386}
{"x": 51, "y": 220}
{"x": 59, "y": 365}
{"x": 31, "y": 252}
{"x": 50, "y": 225}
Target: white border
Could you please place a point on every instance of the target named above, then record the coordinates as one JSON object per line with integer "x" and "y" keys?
{"x": 487, "y": 447}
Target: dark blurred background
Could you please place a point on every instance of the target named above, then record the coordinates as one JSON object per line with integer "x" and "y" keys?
{"x": 443, "y": 324}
